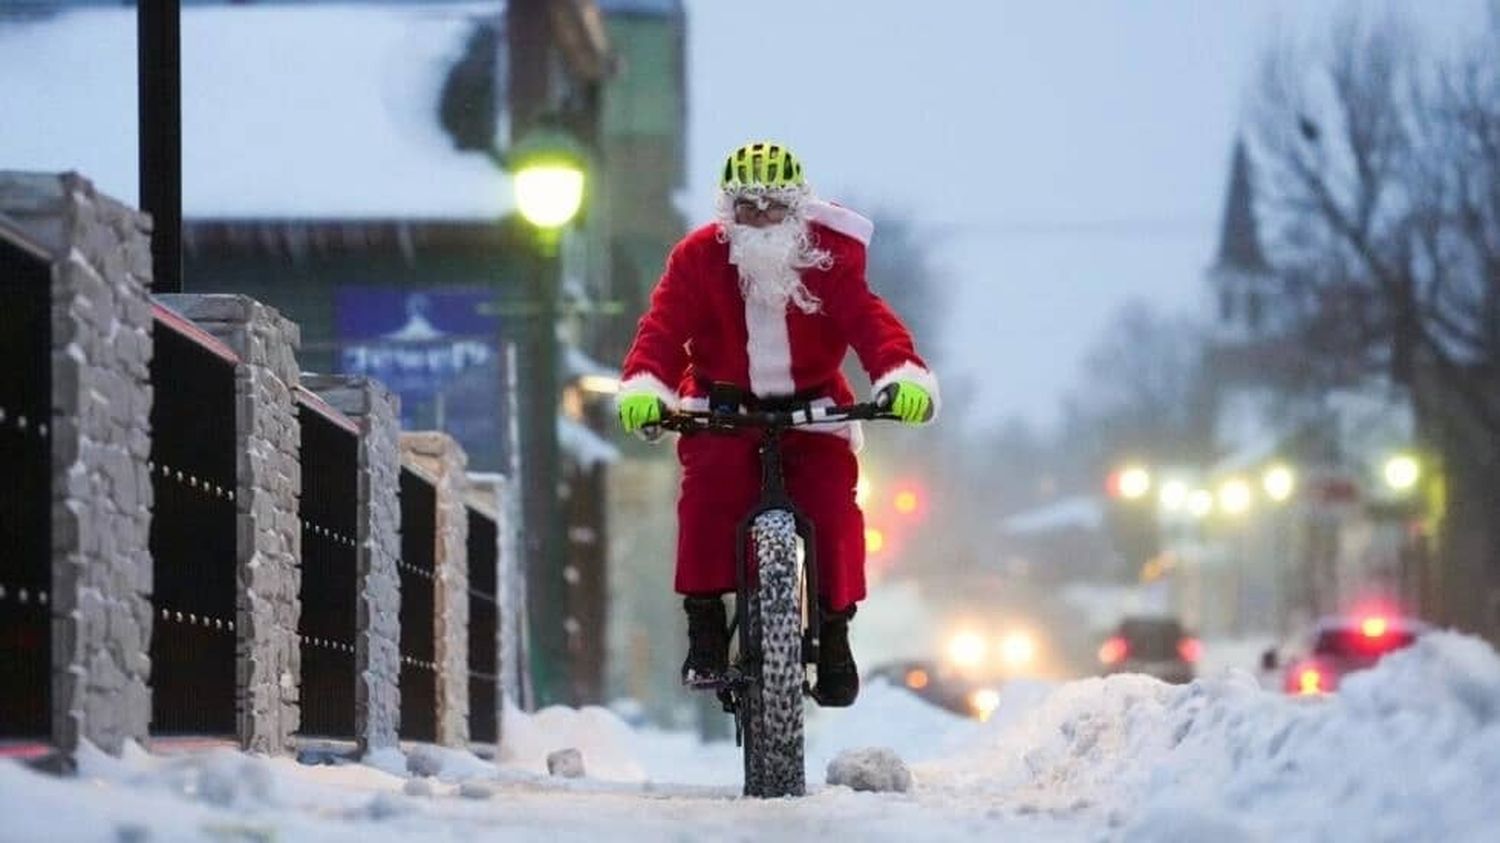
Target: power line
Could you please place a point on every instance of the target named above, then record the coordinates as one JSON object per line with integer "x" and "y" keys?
{"x": 1122, "y": 227}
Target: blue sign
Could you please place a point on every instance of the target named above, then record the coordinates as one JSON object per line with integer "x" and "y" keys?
{"x": 416, "y": 342}
{"x": 437, "y": 349}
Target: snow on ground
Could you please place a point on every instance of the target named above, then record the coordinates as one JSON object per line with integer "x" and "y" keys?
{"x": 1408, "y": 751}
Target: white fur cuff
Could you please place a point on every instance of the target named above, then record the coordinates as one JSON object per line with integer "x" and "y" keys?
{"x": 649, "y": 384}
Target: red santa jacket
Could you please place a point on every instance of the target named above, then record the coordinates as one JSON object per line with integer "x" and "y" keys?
{"x": 701, "y": 329}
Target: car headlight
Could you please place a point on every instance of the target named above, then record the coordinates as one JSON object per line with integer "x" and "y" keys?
{"x": 1018, "y": 649}
{"x": 983, "y": 702}
{"x": 966, "y": 649}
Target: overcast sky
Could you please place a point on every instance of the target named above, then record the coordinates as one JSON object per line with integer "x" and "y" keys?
{"x": 1065, "y": 156}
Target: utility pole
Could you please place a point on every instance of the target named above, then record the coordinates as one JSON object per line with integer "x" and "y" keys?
{"x": 159, "y": 88}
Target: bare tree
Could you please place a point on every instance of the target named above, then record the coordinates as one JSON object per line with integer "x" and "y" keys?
{"x": 1382, "y": 184}
{"x": 1141, "y": 394}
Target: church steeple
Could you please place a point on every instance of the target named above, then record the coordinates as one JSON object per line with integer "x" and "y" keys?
{"x": 1239, "y": 238}
{"x": 1241, "y": 276}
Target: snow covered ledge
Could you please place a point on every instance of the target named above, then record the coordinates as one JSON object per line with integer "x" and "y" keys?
{"x": 441, "y": 457}
{"x": 269, "y": 544}
{"x": 97, "y": 253}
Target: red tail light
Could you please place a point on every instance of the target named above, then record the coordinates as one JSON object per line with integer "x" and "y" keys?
{"x": 1307, "y": 679}
{"x": 1190, "y": 649}
{"x": 1114, "y": 650}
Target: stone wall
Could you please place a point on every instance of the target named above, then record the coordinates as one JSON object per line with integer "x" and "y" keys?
{"x": 267, "y": 438}
{"x": 375, "y": 409}
{"x": 440, "y": 456}
{"x": 100, "y": 440}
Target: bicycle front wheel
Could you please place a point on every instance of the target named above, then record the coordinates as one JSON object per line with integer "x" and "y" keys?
{"x": 772, "y": 710}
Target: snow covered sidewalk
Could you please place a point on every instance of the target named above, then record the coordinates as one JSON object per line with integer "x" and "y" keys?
{"x": 1408, "y": 751}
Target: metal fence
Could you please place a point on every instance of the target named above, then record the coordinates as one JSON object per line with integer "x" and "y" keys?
{"x": 418, "y": 608}
{"x": 192, "y": 531}
{"x": 25, "y": 494}
{"x": 484, "y": 614}
{"x": 327, "y": 627}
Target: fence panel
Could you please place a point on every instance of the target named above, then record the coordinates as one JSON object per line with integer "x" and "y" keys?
{"x": 25, "y": 495}
{"x": 329, "y": 574}
{"x": 418, "y": 607}
{"x": 192, "y": 534}
{"x": 484, "y": 611}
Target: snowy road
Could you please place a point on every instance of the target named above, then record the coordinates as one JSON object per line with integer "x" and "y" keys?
{"x": 1409, "y": 751}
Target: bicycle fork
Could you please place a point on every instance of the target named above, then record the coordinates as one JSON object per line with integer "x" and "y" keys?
{"x": 774, "y": 497}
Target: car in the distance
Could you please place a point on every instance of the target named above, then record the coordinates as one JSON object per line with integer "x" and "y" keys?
{"x": 936, "y": 684}
{"x": 1156, "y": 645}
{"x": 1339, "y": 646}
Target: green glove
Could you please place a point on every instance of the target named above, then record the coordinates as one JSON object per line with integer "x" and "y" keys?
{"x": 639, "y": 410}
{"x": 911, "y": 403}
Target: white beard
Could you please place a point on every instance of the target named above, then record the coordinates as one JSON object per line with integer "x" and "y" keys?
{"x": 770, "y": 261}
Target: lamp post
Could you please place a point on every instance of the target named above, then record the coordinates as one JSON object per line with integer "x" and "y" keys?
{"x": 548, "y": 176}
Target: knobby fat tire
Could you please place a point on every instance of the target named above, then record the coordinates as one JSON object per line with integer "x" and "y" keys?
{"x": 774, "y": 738}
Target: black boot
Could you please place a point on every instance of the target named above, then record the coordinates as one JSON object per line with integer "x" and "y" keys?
{"x": 838, "y": 676}
{"x": 708, "y": 641}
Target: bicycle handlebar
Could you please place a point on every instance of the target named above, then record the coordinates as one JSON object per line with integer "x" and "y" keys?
{"x": 698, "y": 421}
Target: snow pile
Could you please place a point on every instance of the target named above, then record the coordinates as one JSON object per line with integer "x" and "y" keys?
{"x": 874, "y": 768}
{"x": 440, "y": 762}
{"x": 888, "y": 716}
{"x": 1409, "y": 750}
{"x": 597, "y": 733}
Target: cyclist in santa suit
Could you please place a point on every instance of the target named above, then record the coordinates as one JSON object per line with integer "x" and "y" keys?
{"x": 762, "y": 305}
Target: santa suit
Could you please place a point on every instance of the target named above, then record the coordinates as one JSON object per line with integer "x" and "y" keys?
{"x": 700, "y": 329}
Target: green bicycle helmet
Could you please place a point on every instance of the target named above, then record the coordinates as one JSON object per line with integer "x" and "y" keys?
{"x": 764, "y": 165}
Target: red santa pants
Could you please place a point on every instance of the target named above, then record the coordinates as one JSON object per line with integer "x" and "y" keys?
{"x": 721, "y": 482}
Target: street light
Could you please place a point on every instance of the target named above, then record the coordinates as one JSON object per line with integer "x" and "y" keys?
{"x": 1235, "y": 496}
{"x": 1131, "y": 482}
{"x": 1279, "y": 483}
{"x": 547, "y": 169}
{"x": 1174, "y": 495}
{"x": 1402, "y": 472}
{"x": 547, "y": 174}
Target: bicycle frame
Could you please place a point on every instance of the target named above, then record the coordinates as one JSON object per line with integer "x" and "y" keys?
{"x": 774, "y": 497}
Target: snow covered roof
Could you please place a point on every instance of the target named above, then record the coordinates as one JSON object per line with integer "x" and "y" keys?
{"x": 306, "y": 111}
{"x": 1082, "y": 512}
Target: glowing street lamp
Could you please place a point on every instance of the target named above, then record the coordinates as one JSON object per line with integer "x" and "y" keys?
{"x": 1279, "y": 483}
{"x": 549, "y": 195}
{"x": 1132, "y": 482}
{"x": 547, "y": 174}
{"x": 1174, "y": 495}
{"x": 1235, "y": 496}
{"x": 1402, "y": 472}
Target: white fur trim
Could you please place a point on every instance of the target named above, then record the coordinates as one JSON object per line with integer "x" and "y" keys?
{"x": 769, "y": 348}
{"x": 910, "y": 371}
{"x": 840, "y": 219}
{"x": 650, "y": 384}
